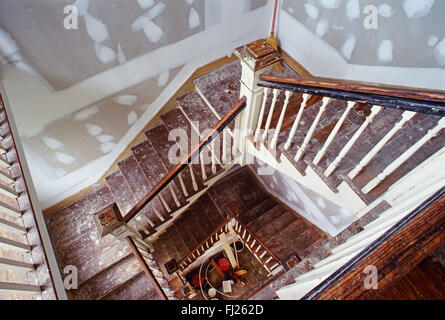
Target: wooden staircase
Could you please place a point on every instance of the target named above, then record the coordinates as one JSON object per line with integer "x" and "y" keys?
{"x": 24, "y": 272}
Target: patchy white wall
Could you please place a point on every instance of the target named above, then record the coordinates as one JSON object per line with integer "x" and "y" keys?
{"x": 72, "y": 135}
{"x": 323, "y": 213}
{"x": 329, "y": 39}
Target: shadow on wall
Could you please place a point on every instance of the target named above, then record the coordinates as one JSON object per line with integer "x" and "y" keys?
{"x": 323, "y": 213}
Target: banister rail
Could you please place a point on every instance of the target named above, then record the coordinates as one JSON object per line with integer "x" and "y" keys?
{"x": 192, "y": 154}
{"x": 428, "y": 102}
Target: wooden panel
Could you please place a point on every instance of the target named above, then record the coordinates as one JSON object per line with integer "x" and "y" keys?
{"x": 396, "y": 256}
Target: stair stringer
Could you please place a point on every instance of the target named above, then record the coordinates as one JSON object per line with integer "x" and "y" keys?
{"x": 345, "y": 198}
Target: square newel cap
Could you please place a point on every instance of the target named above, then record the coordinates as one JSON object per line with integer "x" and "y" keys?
{"x": 108, "y": 220}
{"x": 257, "y": 54}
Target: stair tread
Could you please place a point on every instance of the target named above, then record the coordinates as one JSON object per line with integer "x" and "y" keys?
{"x": 275, "y": 227}
{"x": 187, "y": 232}
{"x": 121, "y": 191}
{"x": 169, "y": 245}
{"x": 266, "y": 218}
{"x": 140, "y": 186}
{"x": 176, "y": 120}
{"x": 158, "y": 137}
{"x": 178, "y": 241}
{"x": 204, "y": 220}
{"x": 210, "y": 210}
{"x": 155, "y": 170}
{"x": 135, "y": 288}
{"x": 229, "y": 70}
{"x": 197, "y": 111}
{"x": 258, "y": 210}
{"x": 108, "y": 278}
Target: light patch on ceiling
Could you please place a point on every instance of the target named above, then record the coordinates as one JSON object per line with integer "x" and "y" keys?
{"x": 96, "y": 29}
{"x": 104, "y": 138}
{"x": 311, "y": 11}
{"x": 132, "y": 117}
{"x": 126, "y": 99}
{"x": 105, "y": 54}
{"x": 384, "y": 52}
{"x": 155, "y": 11}
{"x": 163, "y": 79}
{"x": 93, "y": 129}
{"x": 120, "y": 55}
{"x": 348, "y": 46}
{"x": 417, "y": 8}
{"x": 385, "y": 10}
{"x": 194, "y": 21}
{"x": 86, "y": 113}
{"x": 432, "y": 40}
{"x": 352, "y": 10}
{"x": 290, "y": 9}
{"x": 152, "y": 31}
{"x": 330, "y": 4}
{"x": 107, "y": 147}
{"x": 65, "y": 158}
{"x": 322, "y": 27}
{"x": 8, "y": 45}
{"x": 145, "y": 4}
{"x": 189, "y": 2}
{"x": 52, "y": 143}
{"x": 439, "y": 52}
{"x": 82, "y": 7}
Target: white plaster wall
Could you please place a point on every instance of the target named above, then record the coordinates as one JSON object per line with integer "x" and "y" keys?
{"x": 36, "y": 105}
{"x": 323, "y": 213}
{"x": 329, "y": 40}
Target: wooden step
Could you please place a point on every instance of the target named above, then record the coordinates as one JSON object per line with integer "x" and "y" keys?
{"x": 187, "y": 233}
{"x": 158, "y": 137}
{"x": 4, "y": 163}
{"x": 140, "y": 186}
{"x": 169, "y": 246}
{"x": 210, "y": 210}
{"x": 9, "y": 210}
{"x": 133, "y": 289}
{"x": 109, "y": 278}
{"x": 8, "y": 191}
{"x": 266, "y": 218}
{"x": 121, "y": 192}
{"x": 276, "y": 226}
{"x": 176, "y": 235}
{"x": 197, "y": 112}
{"x": 261, "y": 208}
{"x": 155, "y": 170}
{"x": 176, "y": 120}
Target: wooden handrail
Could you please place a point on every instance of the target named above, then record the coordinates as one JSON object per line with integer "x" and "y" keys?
{"x": 403, "y": 245}
{"x": 193, "y": 153}
{"x": 423, "y": 101}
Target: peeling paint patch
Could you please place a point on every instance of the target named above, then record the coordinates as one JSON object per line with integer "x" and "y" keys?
{"x": 322, "y": 27}
{"x": 105, "y": 54}
{"x": 352, "y": 10}
{"x": 417, "y": 8}
{"x": 96, "y": 29}
{"x": 93, "y": 129}
{"x": 348, "y": 46}
{"x": 126, "y": 99}
{"x": 439, "y": 52}
{"x": 385, "y": 10}
{"x": 194, "y": 21}
{"x": 105, "y": 138}
{"x": 311, "y": 11}
{"x": 432, "y": 40}
{"x": 145, "y": 4}
{"x": 120, "y": 55}
{"x": 384, "y": 52}
{"x": 65, "y": 158}
{"x": 82, "y": 7}
{"x": 107, "y": 147}
{"x": 52, "y": 143}
{"x": 86, "y": 113}
{"x": 330, "y": 4}
{"x": 132, "y": 117}
{"x": 163, "y": 79}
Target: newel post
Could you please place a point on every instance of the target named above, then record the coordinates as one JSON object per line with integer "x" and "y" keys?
{"x": 110, "y": 221}
{"x": 256, "y": 58}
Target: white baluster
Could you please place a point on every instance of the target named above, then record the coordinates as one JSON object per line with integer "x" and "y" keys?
{"x": 164, "y": 203}
{"x": 157, "y": 212}
{"x": 184, "y": 189}
{"x": 203, "y": 169}
{"x": 311, "y": 131}
{"x": 280, "y": 121}
{"x": 212, "y": 145}
{"x": 175, "y": 198}
{"x": 333, "y": 133}
{"x": 406, "y": 116}
{"x": 297, "y": 121}
{"x": 148, "y": 220}
{"x": 269, "y": 117}
{"x": 404, "y": 156}
{"x": 224, "y": 147}
{"x": 192, "y": 175}
{"x": 261, "y": 116}
{"x": 374, "y": 111}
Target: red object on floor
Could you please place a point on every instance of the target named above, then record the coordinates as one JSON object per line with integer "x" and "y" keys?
{"x": 223, "y": 264}
{"x": 195, "y": 281}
